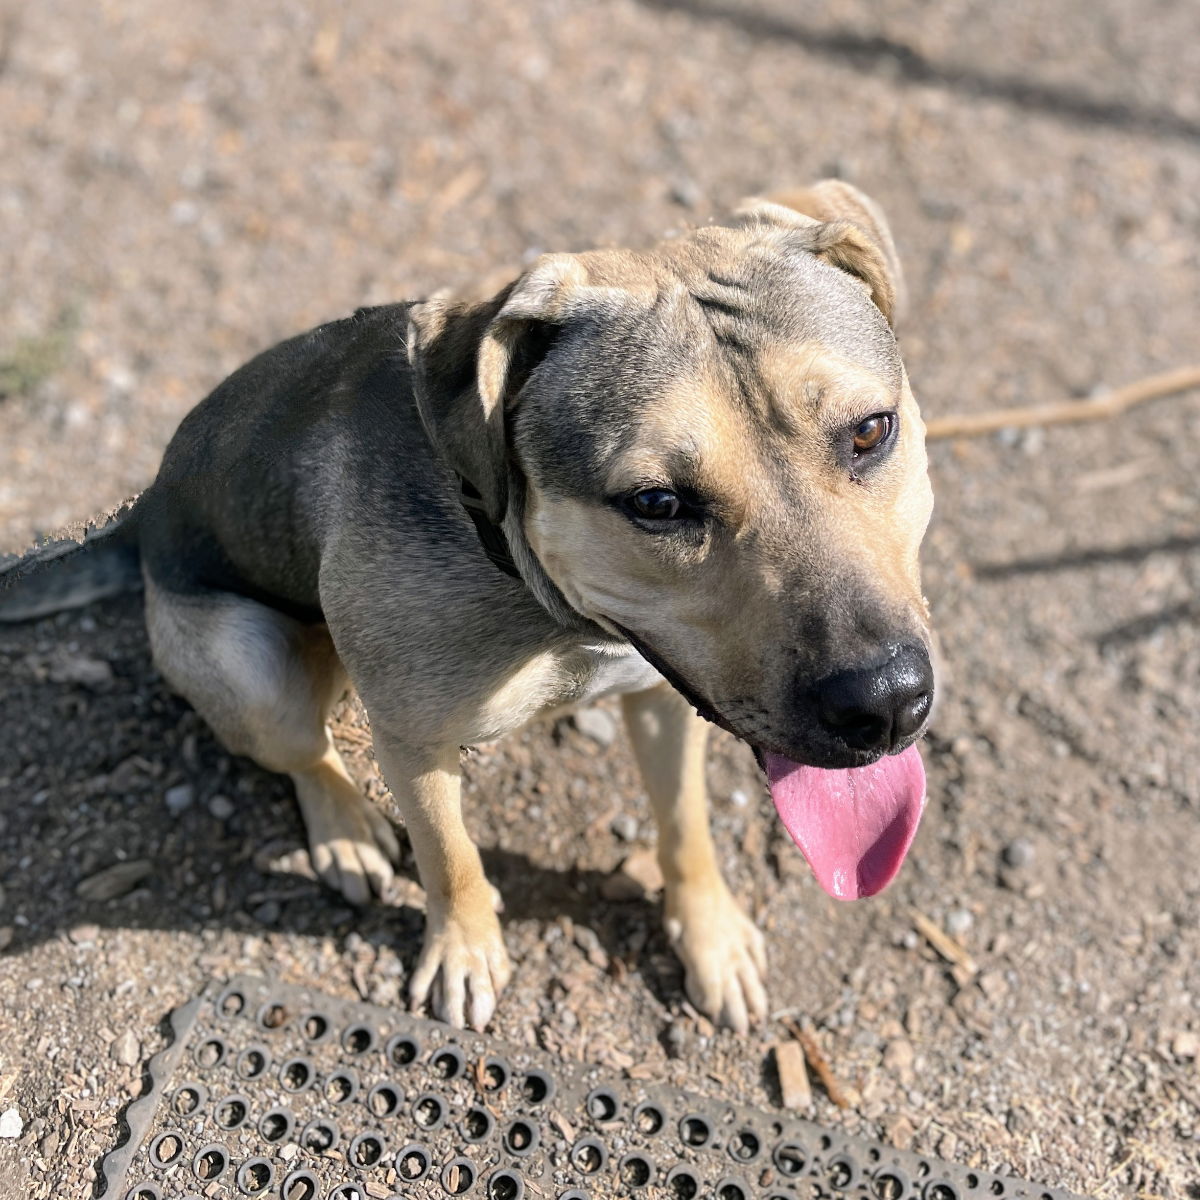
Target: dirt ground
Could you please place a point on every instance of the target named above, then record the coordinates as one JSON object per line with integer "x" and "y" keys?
{"x": 181, "y": 185}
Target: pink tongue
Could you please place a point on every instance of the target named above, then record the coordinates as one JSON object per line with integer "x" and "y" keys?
{"x": 854, "y": 826}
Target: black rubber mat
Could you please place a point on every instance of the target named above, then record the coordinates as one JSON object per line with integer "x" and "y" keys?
{"x": 269, "y": 1090}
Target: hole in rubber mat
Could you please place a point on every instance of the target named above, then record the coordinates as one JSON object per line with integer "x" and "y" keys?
{"x": 505, "y": 1185}
{"x": 210, "y": 1163}
{"x": 458, "y": 1176}
{"x": 412, "y": 1163}
{"x": 300, "y": 1185}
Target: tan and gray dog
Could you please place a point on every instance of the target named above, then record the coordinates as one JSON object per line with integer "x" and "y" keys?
{"x": 693, "y": 475}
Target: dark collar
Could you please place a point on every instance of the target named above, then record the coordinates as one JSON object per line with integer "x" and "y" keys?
{"x": 491, "y": 536}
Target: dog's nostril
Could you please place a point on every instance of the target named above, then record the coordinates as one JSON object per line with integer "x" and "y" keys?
{"x": 876, "y": 708}
{"x": 843, "y": 713}
{"x": 854, "y": 723}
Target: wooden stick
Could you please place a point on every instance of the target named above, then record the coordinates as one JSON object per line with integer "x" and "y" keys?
{"x": 942, "y": 942}
{"x": 1183, "y": 379}
{"x": 818, "y": 1062}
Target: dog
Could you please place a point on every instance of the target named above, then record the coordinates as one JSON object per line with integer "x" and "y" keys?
{"x": 693, "y": 476}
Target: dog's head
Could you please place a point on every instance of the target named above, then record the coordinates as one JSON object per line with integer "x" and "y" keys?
{"x": 720, "y": 459}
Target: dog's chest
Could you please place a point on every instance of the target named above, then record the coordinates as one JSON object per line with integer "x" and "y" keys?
{"x": 615, "y": 674}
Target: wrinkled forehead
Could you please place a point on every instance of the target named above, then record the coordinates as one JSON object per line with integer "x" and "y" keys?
{"x": 761, "y": 298}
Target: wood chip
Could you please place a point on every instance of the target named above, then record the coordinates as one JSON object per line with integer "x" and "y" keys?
{"x": 640, "y": 1071}
{"x": 563, "y": 1126}
{"x": 818, "y": 1062}
{"x": 952, "y": 951}
{"x": 380, "y": 1191}
{"x": 793, "y": 1076}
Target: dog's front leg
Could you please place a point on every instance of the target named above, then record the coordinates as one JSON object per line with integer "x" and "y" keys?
{"x": 723, "y": 953}
{"x": 463, "y": 965}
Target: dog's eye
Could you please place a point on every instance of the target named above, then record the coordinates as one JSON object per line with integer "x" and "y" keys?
{"x": 656, "y": 504}
{"x": 872, "y": 433}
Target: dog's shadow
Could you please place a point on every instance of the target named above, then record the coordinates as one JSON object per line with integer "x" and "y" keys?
{"x": 105, "y": 766}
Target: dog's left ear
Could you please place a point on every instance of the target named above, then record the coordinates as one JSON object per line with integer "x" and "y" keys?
{"x": 845, "y": 228}
{"x": 470, "y": 363}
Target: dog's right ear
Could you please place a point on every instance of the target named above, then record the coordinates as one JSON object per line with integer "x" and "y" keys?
{"x": 470, "y": 363}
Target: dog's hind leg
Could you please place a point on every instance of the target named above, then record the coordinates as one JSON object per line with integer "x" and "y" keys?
{"x": 723, "y": 953}
{"x": 265, "y": 684}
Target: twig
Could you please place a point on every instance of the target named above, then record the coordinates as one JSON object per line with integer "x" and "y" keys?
{"x": 943, "y": 943}
{"x": 1183, "y": 379}
{"x": 818, "y": 1062}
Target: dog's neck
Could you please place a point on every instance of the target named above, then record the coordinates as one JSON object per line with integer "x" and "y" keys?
{"x": 491, "y": 536}
{"x": 509, "y": 551}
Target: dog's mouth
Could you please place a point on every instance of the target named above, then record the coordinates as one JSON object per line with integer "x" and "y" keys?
{"x": 854, "y": 825}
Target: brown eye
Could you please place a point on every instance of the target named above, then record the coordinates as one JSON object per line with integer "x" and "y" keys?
{"x": 656, "y": 504}
{"x": 872, "y": 432}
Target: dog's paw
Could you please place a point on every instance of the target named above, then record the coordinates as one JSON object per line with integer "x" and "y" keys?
{"x": 722, "y": 951}
{"x": 351, "y": 843}
{"x": 463, "y": 968}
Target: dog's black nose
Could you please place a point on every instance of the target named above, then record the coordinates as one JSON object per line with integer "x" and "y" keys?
{"x": 877, "y": 708}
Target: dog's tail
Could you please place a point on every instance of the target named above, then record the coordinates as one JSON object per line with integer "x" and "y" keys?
{"x": 93, "y": 562}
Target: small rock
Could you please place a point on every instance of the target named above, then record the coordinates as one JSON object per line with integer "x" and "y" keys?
{"x": 962, "y": 747}
{"x": 83, "y": 935}
{"x": 685, "y": 193}
{"x": 221, "y": 807}
{"x": 993, "y": 984}
{"x": 179, "y": 798}
{"x": 6, "y": 936}
{"x": 11, "y": 1124}
{"x": 636, "y": 878}
{"x": 1019, "y": 852}
{"x": 117, "y": 880}
{"x": 49, "y": 1144}
{"x": 625, "y": 826}
{"x": 898, "y": 1130}
{"x": 126, "y": 1050}
{"x": 1186, "y": 1044}
{"x": 589, "y": 943}
{"x": 676, "y": 1039}
{"x": 899, "y": 1055}
{"x": 738, "y": 798}
{"x": 267, "y": 913}
{"x": 642, "y": 866}
{"x": 958, "y": 922}
{"x": 596, "y": 724}
{"x": 81, "y": 669}
{"x": 620, "y": 889}
{"x": 793, "y": 1076}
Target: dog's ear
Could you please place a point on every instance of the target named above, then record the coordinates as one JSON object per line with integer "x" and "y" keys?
{"x": 845, "y": 228}
{"x": 470, "y": 363}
